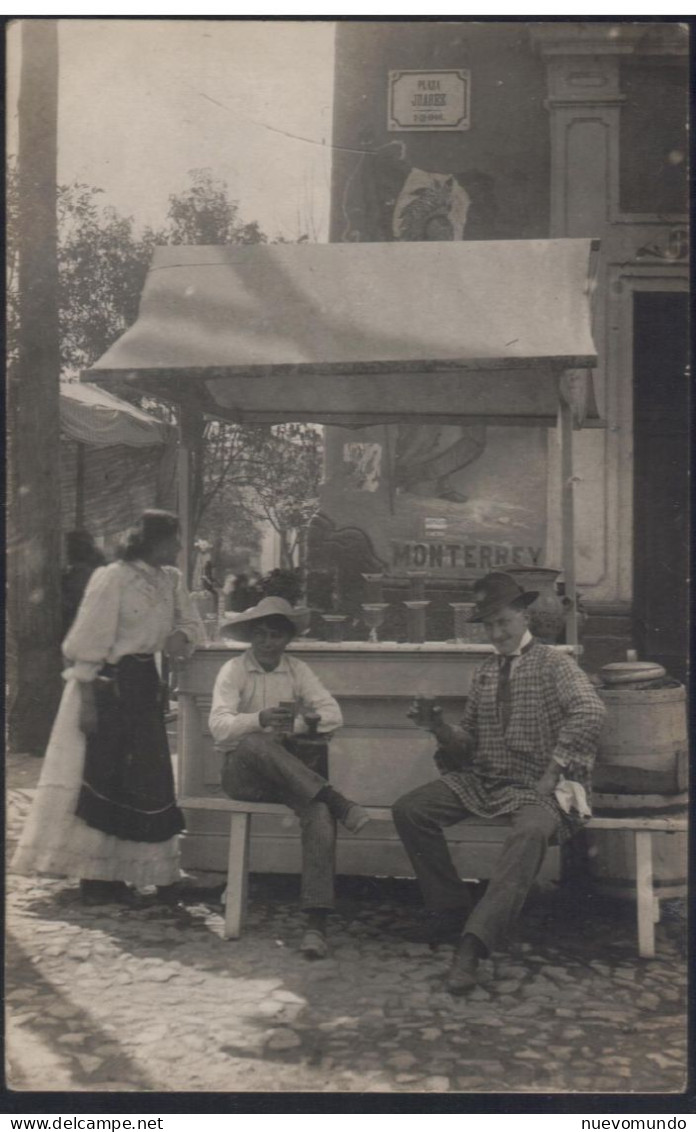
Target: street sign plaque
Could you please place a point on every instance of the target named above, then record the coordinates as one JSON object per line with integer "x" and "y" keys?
{"x": 429, "y": 100}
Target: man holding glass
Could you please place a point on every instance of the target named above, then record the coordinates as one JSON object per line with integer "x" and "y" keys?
{"x": 273, "y": 718}
{"x": 524, "y": 749}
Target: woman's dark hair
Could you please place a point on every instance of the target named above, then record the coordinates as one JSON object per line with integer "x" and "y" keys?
{"x": 80, "y": 548}
{"x": 153, "y": 527}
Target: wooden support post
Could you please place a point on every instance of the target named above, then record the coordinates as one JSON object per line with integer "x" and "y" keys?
{"x": 237, "y": 873}
{"x": 568, "y": 521}
{"x": 644, "y": 894}
{"x": 184, "y": 491}
{"x": 79, "y": 485}
{"x": 33, "y": 495}
{"x": 189, "y": 728}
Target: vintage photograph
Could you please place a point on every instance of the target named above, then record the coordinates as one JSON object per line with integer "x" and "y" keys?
{"x": 348, "y": 553}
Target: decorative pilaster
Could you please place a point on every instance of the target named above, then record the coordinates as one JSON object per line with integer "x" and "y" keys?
{"x": 584, "y": 104}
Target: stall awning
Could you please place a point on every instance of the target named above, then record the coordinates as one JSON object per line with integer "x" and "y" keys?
{"x": 94, "y": 417}
{"x": 363, "y": 333}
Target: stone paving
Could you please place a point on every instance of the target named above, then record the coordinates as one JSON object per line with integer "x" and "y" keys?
{"x": 121, "y": 999}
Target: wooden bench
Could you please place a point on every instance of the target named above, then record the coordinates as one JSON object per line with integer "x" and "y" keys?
{"x": 648, "y": 904}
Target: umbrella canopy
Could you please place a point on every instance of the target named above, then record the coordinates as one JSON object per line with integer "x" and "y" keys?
{"x": 115, "y": 460}
{"x": 363, "y": 333}
{"x": 96, "y": 418}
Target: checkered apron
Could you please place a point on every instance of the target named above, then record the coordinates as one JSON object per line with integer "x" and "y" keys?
{"x": 553, "y": 710}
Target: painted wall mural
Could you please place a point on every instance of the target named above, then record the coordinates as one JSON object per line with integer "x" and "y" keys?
{"x": 387, "y": 197}
{"x": 456, "y": 502}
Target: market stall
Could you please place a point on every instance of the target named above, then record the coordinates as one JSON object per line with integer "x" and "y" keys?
{"x": 357, "y": 335}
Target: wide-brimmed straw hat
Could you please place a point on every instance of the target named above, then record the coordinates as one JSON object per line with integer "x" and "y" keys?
{"x": 498, "y": 591}
{"x": 239, "y": 625}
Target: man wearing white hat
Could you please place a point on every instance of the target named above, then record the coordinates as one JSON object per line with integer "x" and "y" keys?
{"x": 262, "y": 738}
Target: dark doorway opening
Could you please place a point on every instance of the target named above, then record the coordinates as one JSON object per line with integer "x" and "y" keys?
{"x": 661, "y": 420}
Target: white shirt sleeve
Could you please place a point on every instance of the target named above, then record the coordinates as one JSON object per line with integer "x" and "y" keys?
{"x": 315, "y": 697}
{"x": 226, "y": 723}
{"x": 93, "y": 631}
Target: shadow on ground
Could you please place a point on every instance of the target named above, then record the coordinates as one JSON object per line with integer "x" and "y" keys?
{"x": 569, "y": 1007}
{"x": 68, "y": 1031}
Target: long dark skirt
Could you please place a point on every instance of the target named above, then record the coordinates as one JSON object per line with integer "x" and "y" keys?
{"x": 128, "y": 786}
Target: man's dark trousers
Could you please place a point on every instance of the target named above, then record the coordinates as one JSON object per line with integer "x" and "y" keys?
{"x": 420, "y": 818}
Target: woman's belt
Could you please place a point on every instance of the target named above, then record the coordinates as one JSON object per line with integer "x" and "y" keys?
{"x": 108, "y": 671}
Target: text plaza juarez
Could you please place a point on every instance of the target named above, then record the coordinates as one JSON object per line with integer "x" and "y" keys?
{"x": 428, "y": 94}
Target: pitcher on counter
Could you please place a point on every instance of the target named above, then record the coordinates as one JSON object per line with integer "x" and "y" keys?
{"x": 525, "y": 748}
{"x": 266, "y": 708}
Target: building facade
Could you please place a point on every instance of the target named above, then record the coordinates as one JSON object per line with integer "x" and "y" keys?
{"x": 510, "y": 131}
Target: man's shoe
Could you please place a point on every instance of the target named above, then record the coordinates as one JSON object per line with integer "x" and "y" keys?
{"x": 106, "y": 892}
{"x": 439, "y": 927}
{"x": 462, "y": 973}
{"x": 314, "y": 945}
{"x": 170, "y": 894}
{"x": 355, "y": 818}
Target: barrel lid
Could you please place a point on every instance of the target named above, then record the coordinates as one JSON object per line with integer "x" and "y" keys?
{"x": 631, "y": 672}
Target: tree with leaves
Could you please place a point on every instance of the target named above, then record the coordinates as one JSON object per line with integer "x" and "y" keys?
{"x": 102, "y": 266}
{"x": 102, "y": 261}
{"x": 270, "y": 474}
{"x": 203, "y": 213}
{"x": 240, "y": 474}
{"x": 284, "y": 473}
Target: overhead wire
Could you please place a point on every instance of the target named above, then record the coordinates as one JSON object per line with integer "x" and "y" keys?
{"x": 277, "y": 129}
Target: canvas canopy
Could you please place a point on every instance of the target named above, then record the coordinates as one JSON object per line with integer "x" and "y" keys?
{"x": 363, "y": 333}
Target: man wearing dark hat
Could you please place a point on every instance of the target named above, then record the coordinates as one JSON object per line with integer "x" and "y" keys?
{"x": 525, "y": 748}
{"x": 267, "y": 759}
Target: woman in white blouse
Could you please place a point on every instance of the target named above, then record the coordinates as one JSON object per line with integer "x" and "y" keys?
{"x": 105, "y": 809}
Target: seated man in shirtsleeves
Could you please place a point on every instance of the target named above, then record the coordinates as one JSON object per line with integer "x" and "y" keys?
{"x": 525, "y": 748}
{"x": 249, "y": 724}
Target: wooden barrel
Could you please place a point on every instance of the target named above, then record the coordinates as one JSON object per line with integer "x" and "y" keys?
{"x": 611, "y": 853}
{"x": 643, "y": 745}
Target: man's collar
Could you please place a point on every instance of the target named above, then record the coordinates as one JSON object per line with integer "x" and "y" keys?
{"x": 253, "y": 665}
{"x": 526, "y": 642}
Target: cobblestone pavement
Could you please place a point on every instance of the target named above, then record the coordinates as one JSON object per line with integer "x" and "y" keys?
{"x": 113, "y": 998}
